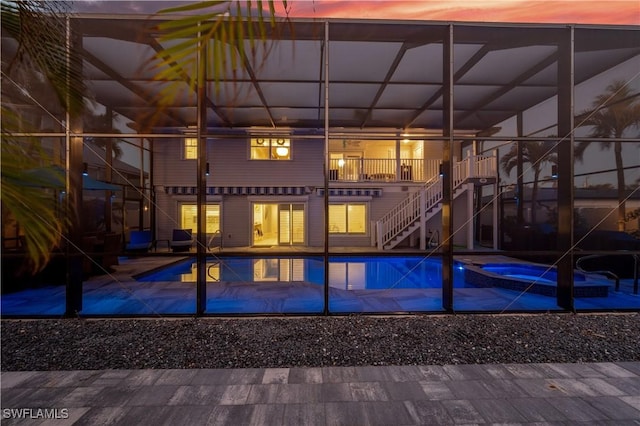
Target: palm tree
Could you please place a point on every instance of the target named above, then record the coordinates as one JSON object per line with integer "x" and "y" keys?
{"x": 101, "y": 123}
{"x": 216, "y": 31}
{"x": 614, "y": 112}
{"x": 42, "y": 59}
{"x": 537, "y": 154}
{"x": 40, "y": 67}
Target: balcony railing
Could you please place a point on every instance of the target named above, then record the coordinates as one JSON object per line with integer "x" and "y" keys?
{"x": 382, "y": 170}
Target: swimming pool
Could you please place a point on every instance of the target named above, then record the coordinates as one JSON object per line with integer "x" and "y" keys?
{"x": 345, "y": 273}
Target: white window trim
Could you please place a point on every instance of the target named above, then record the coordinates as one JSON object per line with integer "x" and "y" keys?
{"x": 347, "y": 201}
{"x": 270, "y": 139}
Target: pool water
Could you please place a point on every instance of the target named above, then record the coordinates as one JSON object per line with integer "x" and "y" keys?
{"x": 346, "y": 273}
{"x": 538, "y": 273}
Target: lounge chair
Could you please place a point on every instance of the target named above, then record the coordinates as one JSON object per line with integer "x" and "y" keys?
{"x": 139, "y": 241}
{"x": 181, "y": 240}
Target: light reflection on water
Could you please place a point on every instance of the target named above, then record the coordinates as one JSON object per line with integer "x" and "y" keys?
{"x": 347, "y": 273}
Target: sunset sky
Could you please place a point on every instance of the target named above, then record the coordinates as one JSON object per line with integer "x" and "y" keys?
{"x": 625, "y": 12}
{"x": 541, "y": 11}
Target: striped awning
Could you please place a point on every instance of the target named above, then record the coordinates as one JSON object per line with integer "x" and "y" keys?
{"x": 239, "y": 190}
{"x": 352, "y": 192}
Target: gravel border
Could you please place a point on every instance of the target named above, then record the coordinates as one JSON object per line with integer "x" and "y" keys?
{"x": 81, "y": 344}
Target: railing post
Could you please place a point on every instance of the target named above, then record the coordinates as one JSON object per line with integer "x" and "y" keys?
{"x": 423, "y": 221}
{"x": 379, "y": 234}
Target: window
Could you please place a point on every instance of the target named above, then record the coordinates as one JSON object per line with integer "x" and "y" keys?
{"x": 347, "y": 218}
{"x": 270, "y": 149}
{"x": 190, "y": 148}
{"x": 189, "y": 217}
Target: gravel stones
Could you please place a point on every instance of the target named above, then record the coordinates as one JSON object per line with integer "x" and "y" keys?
{"x": 81, "y": 344}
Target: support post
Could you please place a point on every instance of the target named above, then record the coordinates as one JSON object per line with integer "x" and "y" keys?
{"x": 565, "y": 171}
{"x": 423, "y": 220}
{"x": 469, "y": 217}
{"x": 73, "y": 189}
{"x": 201, "y": 197}
{"x": 495, "y": 213}
{"x": 326, "y": 168}
{"x": 520, "y": 174}
{"x": 447, "y": 179}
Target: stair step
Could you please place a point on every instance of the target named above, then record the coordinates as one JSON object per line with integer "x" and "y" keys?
{"x": 434, "y": 203}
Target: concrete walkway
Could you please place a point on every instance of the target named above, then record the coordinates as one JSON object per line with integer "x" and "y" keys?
{"x": 598, "y": 393}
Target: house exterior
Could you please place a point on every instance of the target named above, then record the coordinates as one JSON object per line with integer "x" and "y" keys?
{"x": 257, "y": 201}
{"x": 381, "y": 135}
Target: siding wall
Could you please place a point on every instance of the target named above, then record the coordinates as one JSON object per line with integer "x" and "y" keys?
{"x": 433, "y": 149}
{"x": 230, "y": 166}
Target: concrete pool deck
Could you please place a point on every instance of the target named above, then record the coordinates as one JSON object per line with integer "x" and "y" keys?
{"x": 563, "y": 394}
{"x": 119, "y": 293}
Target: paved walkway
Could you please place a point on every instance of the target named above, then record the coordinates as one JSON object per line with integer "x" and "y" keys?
{"x": 599, "y": 393}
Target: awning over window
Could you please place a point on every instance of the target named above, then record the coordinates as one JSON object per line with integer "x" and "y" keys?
{"x": 352, "y": 192}
{"x": 239, "y": 190}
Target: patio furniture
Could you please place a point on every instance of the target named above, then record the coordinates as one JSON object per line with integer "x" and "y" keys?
{"x": 139, "y": 241}
{"x": 181, "y": 240}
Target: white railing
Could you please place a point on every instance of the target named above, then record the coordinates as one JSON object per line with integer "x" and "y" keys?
{"x": 382, "y": 170}
{"x": 482, "y": 166}
{"x": 408, "y": 211}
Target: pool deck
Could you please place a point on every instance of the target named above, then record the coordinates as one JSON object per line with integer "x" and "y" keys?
{"x": 516, "y": 394}
{"x": 118, "y": 293}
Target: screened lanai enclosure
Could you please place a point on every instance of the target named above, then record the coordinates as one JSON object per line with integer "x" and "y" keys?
{"x": 337, "y": 166}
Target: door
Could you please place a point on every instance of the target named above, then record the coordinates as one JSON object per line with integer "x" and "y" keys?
{"x": 291, "y": 224}
{"x": 352, "y": 167}
{"x": 278, "y": 224}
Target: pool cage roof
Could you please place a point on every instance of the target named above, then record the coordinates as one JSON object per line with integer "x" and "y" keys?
{"x": 382, "y": 74}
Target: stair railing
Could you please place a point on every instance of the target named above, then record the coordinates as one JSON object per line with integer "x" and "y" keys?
{"x": 408, "y": 211}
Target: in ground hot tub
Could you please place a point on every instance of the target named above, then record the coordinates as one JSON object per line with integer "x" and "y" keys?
{"x": 533, "y": 278}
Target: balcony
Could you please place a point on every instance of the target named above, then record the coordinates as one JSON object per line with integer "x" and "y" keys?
{"x": 382, "y": 170}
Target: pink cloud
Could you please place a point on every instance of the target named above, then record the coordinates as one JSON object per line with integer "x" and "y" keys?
{"x": 537, "y": 11}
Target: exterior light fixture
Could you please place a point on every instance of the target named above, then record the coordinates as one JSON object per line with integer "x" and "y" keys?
{"x": 441, "y": 170}
{"x": 554, "y": 171}
{"x": 206, "y": 173}
{"x": 340, "y": 162}
{"x": 85, "y": 169}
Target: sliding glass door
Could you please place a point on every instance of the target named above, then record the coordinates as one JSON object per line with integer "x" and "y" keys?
{"x": 278, "y": 224}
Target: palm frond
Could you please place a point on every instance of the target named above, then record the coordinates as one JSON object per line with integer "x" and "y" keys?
{"x": 40, "y": 29}
{"x": 27, "y": 197}
{"x": 220, "y": 31}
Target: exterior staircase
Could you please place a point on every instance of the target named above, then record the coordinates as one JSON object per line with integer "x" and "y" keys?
{"x": 414, "y": 211}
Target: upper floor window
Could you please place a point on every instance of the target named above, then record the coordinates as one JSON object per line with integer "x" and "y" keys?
{"x": 270, "y": 149}
{"x": 190, "y": 148}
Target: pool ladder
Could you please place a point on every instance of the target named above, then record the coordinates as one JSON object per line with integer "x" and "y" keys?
{"x": 210, "y": 275}
{"x": 434, "y": 238}
{"x": 609, "y": 274}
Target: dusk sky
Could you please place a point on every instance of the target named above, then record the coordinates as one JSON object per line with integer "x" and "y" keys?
{"x": 542, "y": 11}
{"x": 625, "y": 12}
